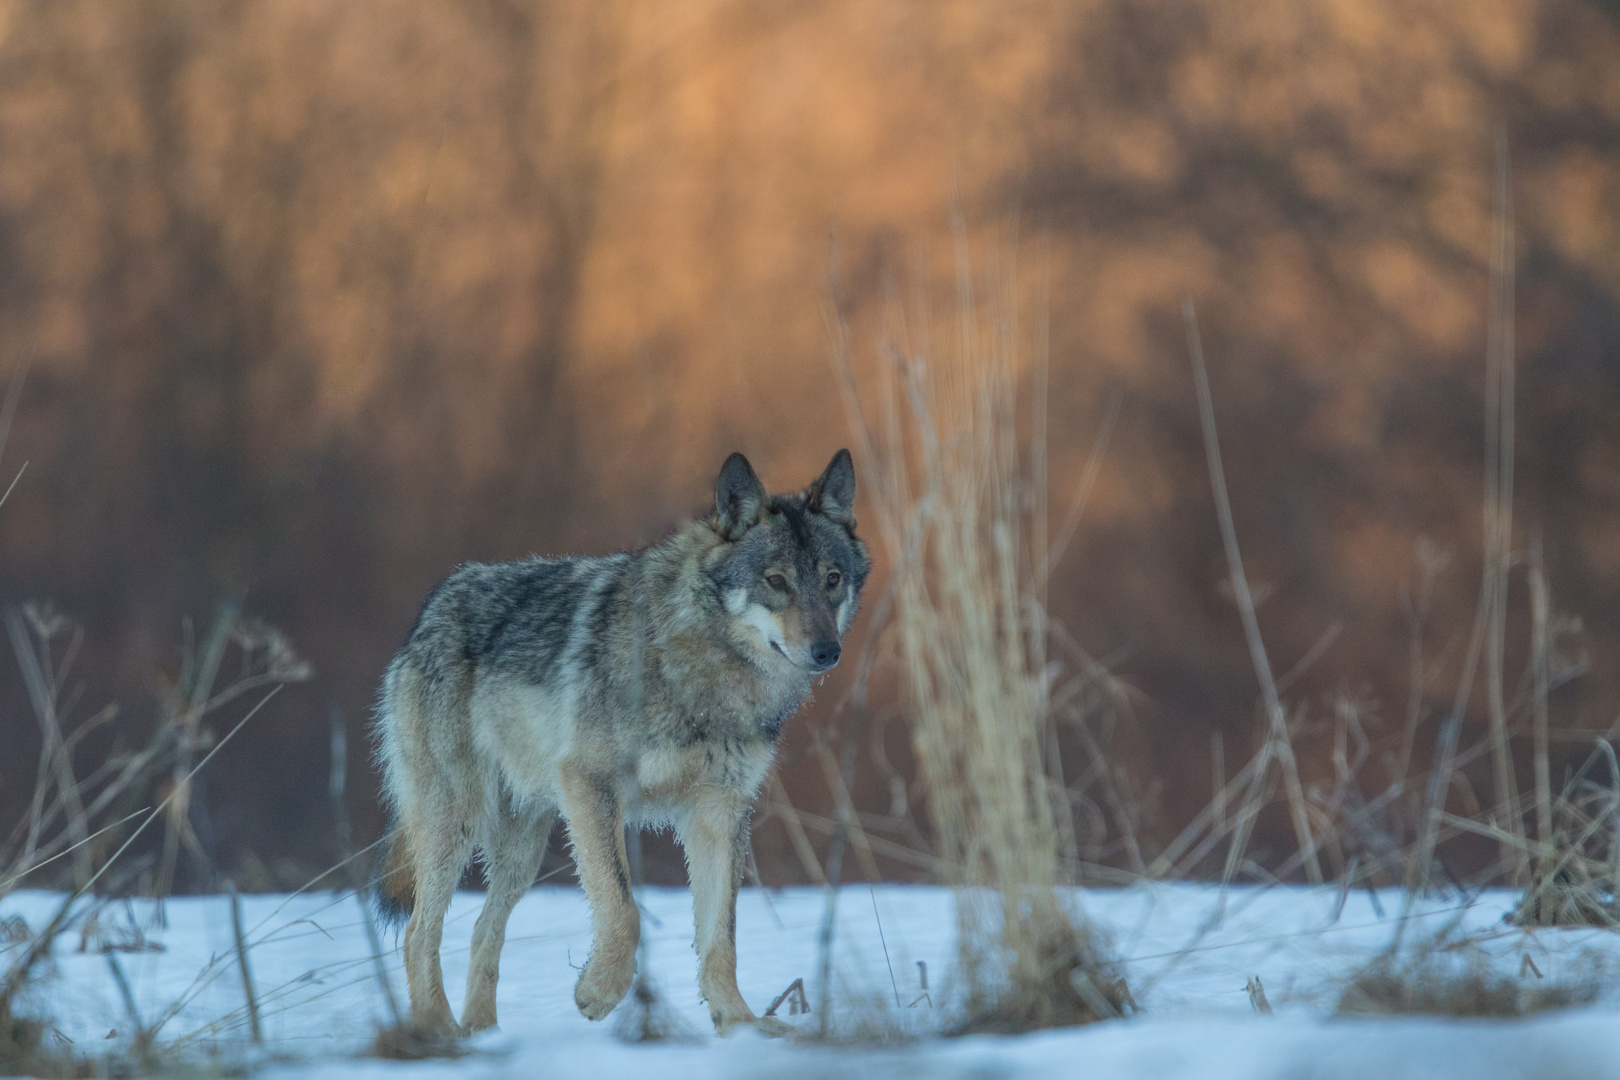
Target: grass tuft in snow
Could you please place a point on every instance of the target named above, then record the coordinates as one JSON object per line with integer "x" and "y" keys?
{"x": 1455, "y": 977}
{"x": 1063, "y": 981}
{"x": 961, "y": 506}
{"x": 1577, "y": 876}
{"x": 647, "y": 1016}
{"x": 869, "y": 1020}
{"x": 80, "y": 822}
{"x": 29, "y": 1044}
{"x": 405, "y": 1042}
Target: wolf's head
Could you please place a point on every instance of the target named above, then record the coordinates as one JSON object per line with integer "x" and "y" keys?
{"x": 789, "y": 568}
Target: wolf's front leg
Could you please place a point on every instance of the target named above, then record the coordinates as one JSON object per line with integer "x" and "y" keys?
{"x": 715, "y": 836}
{"x": 595, "y": 814}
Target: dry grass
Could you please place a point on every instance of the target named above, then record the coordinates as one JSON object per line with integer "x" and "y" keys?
{"x": 80, "y": 824}
{"x": 1451, "y": 977}
{"x": 648, "y": 1017}
{"x": 1577, "y": 879}
{"x": 1561, "y": 847}
{"x": 405, "y": 1042}
{"x": 868, "y": 1019}
{"x": 961, "y": 507}
{"x": 959, "y": 491}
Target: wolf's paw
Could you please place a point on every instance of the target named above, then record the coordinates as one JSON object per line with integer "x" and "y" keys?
{"x": 727, "y": 1021}
{"x": 602, "y": 987}
{"x": 434, "y": 1023}
{"x": 404, "y": 1043}
{"x": 478, "y": 1018}
{"x": 431, "y": 1037}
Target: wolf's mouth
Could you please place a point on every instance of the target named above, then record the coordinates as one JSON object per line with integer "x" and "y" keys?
{"x": 789, "y": 659}
{"x": 814, "y": 671}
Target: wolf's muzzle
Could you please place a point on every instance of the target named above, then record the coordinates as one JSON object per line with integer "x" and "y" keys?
{"x": 824, "y": 654}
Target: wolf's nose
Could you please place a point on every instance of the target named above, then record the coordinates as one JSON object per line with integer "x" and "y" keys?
{"x": 825, "y": 653}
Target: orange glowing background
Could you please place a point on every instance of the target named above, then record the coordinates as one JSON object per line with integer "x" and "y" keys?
{"x": 321, "y": 297}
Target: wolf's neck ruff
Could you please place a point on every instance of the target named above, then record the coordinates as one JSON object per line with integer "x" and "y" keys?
{"x": 711, "y": 670}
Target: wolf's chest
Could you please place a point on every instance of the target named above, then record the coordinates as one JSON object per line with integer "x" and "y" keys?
{"x": 669, "y": 775}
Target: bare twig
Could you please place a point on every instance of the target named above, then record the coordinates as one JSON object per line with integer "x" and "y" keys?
{"x": 242, "y": 962}
{"x": 1498, "y": 503}
{"x": 884, "y": 941}
{"x": 1279, "y": 743}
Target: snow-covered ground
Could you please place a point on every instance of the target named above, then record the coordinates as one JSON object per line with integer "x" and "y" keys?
{"x": 321, "y": 1001}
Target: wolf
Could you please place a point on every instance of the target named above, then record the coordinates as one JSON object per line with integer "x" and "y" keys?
{"x": 645, "y": 688}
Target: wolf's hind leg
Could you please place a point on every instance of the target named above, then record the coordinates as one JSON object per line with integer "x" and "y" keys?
{"x": 513, "y": 846}
{"x": 440, "y": 846}
{"x": 715, "y": 835}
{"x": 595, "y": 817}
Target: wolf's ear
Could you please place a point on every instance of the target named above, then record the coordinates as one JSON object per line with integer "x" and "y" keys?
{"x": 833, "y": 493}
{"x": 738, "y": 498}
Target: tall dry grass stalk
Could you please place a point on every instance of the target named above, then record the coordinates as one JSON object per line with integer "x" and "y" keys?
{"x": 1278, "y": 746}
{"x": 961, "y": 505}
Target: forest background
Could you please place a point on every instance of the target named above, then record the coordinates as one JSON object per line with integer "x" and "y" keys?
{"x": 316, "y": 300}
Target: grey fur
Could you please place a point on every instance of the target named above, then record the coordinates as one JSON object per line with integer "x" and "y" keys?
{"x": 640, "y": 689}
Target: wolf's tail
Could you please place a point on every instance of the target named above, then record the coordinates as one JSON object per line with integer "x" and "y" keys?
{"x": 394, "y": 892}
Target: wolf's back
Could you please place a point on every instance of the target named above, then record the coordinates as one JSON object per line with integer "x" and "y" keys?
{"x": 529, "y": 621}
{"x": 515, "y": 616}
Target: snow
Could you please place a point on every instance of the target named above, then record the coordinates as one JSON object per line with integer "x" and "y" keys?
{"x": 321, "y": 1002}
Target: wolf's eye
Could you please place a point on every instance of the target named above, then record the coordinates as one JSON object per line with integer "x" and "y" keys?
{"x": 776, "y": 581}
{"x": 833, "y": 579}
